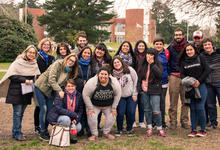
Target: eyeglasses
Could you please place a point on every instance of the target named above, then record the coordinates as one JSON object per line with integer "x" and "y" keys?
{"x": 31, "y": 52}
{"x": 46, "y": 44}
{"x": 72, "y": 61}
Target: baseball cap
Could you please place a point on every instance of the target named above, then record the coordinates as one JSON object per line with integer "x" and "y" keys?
{"x": 197, "y": 34}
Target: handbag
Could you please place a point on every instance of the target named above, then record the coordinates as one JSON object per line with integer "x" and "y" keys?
{"x": 60, "y": 135}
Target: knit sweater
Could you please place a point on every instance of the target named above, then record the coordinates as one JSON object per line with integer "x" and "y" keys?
{"x": 90, "y": 87}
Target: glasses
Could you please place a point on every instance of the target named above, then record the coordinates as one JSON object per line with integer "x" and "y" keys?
{"x": 31, "y": 52}
{"x": 46, "y": 44}
{"x": 72, "y": 61}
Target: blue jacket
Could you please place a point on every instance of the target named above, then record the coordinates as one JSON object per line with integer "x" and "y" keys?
{"x": 163, "y": 59}
{"x": 60, "y": 108}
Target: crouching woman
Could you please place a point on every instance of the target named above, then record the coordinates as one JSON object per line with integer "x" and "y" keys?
{"x": 67, "y": 110}
{"x": 101, "y": 93}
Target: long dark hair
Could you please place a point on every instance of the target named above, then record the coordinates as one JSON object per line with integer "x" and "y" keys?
{"x": 107, "y": 58}
{"x": 136, "y": 52}
{"x": 83, "y": 49}
{"x": 124, "y": 66}
{"x": 183, "y": 54}
{"x": 130, "y": 48}
{"x": 66, "y": 47}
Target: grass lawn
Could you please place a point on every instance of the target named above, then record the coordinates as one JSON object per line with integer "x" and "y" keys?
{"x": 2, "y": 74}
{"x": 4, "y": 65}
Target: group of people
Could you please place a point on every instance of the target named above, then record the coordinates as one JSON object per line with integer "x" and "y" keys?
{"x": 78, "y": 86}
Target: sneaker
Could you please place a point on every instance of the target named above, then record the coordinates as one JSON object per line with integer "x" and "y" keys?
{"x": 161, "y": 133}
{"x": 45, "y": 136}
{"x": 37, "y": 130}
{"x": 192, "y": 134}
{"x": 109, "y": 136}
{"x": 21, "y": 138}
{"x": 149, "y": 132}
{"x": 134, "y": 125}
{"x": 93, "y": 138}
{"x": 201, "y": 134}
{"x": 130, "y": 133}
{"x": 142, "y": 125}
{"x": 118, "y": 133}
{"x": 164, "y": 126}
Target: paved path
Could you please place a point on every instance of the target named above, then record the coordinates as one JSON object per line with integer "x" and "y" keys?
{"x": 3, "y": 70}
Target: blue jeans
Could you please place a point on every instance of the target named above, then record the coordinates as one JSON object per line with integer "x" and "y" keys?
{"x": 152, "y": 106}
{"x": 126, "y": 106}
{"x": 197, "y": 109}
{"x": 140, "y": 109}
{"x": 65, "y": 120}
{"x": 45, "y": 105}
{"x": 163, "y": 104}
{"x": 213, "y": 91}
{"x": 18, "y": 111}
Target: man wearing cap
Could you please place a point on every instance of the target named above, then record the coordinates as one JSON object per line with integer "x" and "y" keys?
{"x": 197, "y": 38}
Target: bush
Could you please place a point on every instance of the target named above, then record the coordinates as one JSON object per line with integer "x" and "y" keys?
{"x": 14, "y": 38}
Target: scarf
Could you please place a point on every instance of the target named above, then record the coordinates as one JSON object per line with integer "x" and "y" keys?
{"x": 45, "y": 55}
{"x": 126, "y": 58}
{"x": 71, "y": 100}
{"x": 20, "y": 67}
{"x": 99, "y": 64}
{"x": 84, "y": 62}
{"x": 179, "y": 46}
{"x": 118, "y": 73}
{"x": 68, "y": 69}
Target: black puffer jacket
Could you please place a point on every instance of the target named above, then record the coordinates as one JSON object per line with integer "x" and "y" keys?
{"x": 42, "y": 62}
{"x": 14, "y": 95}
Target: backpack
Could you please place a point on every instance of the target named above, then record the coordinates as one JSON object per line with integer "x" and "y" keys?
{"x": 167, "y": 53}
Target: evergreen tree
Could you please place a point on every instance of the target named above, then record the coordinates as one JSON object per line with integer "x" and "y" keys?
{"x": 68, "y": 17}
{"x": 165, "y": 20}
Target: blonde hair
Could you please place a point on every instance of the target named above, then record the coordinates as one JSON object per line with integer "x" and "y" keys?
{"x": 74, "y": 72}
{"x": 42, "y": 42}
{"x": 24, "y": 53}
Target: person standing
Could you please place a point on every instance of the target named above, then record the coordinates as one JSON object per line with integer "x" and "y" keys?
{"x": 176, "y": 88}
{"x": 22, "y": 71}
{"x": 197, "y": 39}
{"x": 62, "y": 50}
{"x": 212, "y": 57}
{"x": 163, "y": 56}
{"x": 81, "y": 42}
{"x": 194, "y": 70}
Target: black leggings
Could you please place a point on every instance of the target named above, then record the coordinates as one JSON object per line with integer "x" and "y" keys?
{"x": 36, "y": 116}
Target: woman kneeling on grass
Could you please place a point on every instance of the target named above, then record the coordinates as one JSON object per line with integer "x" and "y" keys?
{"x": 22, "y": 71}
{"x": 151, "y": 74}
{"x": 101, "y": 93}
{"x": 67, "y": 110}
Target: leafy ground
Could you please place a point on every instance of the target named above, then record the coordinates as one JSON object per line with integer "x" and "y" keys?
{"x": 175, "y": 140}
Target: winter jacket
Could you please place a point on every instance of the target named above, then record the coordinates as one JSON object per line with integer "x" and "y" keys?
{"x": 42, "y": 63}
{"x": 163, "y": 58}
{"x": 89, "y": 71}
{"x": 60, "y": 108}
{"x": 14, "y": 95}
{"x": 213, "y": 62}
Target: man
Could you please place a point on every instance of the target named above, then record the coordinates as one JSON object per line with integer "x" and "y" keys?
{"x": 212, "y": 57}
{"x": 176, "y": 88}
{"x": 81, "y": 42}
{"x": 197, "y": 38}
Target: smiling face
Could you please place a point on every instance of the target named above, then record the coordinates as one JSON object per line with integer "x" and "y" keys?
{"x": 86, "y": 54}
{"x": 46, "y": 46}
{"x": 178, "y": 36}
{"x": 190, "y": 51}
{"x": 117, "y": 64}
{"x": 103, "y": 77}
{"x": 158, "y": 46}
{"x": 141, "y": 47}
{"x": 125, "y": 48}
{"x": 71, "y": 61}
{"x": 63, "y": 51}
{"x": 99, "y": 53}
{"x": 82, "y": 42}
{"x": 31, "y": 54}
{"x": 208, "y": 47}
{"x": 70, "y": 87}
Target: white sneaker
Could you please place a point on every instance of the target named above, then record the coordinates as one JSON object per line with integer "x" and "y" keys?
{"x": 134, "y": 125}
{"x": 142, "y": 125}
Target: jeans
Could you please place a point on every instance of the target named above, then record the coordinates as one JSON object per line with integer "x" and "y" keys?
{"x": 126, "y": 106}
{"x": 197, "y": 109}
{"x": 140, "y": 109}
{"x": 152, "y": 106}
{"x": 45, "y": 105}
{"x": 18, "y": 111}
{"x": 65, "y": 120}
{"x": 163, "y": 104}
{"x": 213, "y": 91}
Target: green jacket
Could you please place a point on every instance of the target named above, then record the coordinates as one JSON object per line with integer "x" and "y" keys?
{"x": 52, "y": 79}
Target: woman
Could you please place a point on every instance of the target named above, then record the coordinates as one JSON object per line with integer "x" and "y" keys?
{"x": 52, "y": 80}
{"x": 44, "y": 60}
{"x": 140, "y": 51}
{"x": 194, "y": 71}
{"x": 150, "y": 83}
{"x": 67, "y": 110}
{"x": 125, "y": 52}
{"x": 101, "y": 93}
{"x": 127, "y": 78}
{"x": 85, "y": 67}
{"x": 62, "y": 51}
{"x": 22, "y": 71}
{"x": 163, "y": 57}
